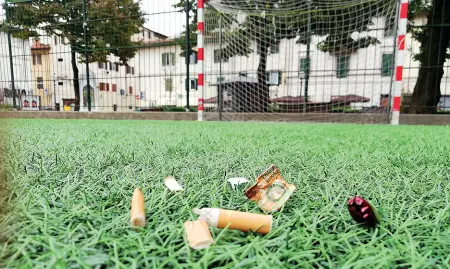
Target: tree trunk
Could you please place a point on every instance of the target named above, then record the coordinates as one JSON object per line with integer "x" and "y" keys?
{"x": 76, "y": 81}
{"x": 253, "y": 97}
{"x": 435, "y": 42}
{"x": 262, "y": 93}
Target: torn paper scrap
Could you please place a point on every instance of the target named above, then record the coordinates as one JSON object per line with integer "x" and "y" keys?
{"x": 172, "y": 184}
{"x": 198, "y": 234}
{"x": 236, "y": 181}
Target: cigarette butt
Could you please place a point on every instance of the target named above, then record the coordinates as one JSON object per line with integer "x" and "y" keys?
{"x": 172, "y": 184}
{"x": 137, "y": 209}
{"x": 198, "y": 234}
{"x": 236, "y": 220}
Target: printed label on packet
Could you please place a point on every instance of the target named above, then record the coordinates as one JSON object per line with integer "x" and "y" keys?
{"x": 271, "y": 191}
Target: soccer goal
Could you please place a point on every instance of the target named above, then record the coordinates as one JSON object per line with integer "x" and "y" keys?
{"x": 298, "y": 60}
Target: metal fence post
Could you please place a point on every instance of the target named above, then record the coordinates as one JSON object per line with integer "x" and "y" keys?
{"x": 86, "y": 56}
{"x": 201, "y": 57}
{"x": 401, "y": 39}
{"x": 11, "y": 64}
{"x": 188, "y": 55}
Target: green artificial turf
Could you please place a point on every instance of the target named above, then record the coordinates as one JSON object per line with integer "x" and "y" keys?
{"x": 71, "y": 182}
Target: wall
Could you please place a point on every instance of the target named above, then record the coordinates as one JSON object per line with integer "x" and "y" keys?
{"x": 42, "y": 69}
{"x": 21, "y": 63}
{"x": 102, "y": 100}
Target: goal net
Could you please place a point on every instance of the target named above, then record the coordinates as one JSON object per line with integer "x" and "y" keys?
{"x": 299, "y": 60}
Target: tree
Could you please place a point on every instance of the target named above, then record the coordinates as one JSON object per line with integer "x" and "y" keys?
{"x": 434, "y": 38}
{"x": 268, "y": 22}
{"x": 181, "y": 41}
{"x": 110, "y": 26}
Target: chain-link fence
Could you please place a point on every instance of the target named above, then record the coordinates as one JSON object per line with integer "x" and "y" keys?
{"x": 265, "y": 58}
{"x": 134, "y": 60}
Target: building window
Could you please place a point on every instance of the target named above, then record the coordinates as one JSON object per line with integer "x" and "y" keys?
{"x": 220, "y": 79}
{"x": 130, "y": 90}
{"x": 274, "y": 48}
{"x": 40, "y": 82}
{"x": 304, "y": 64}
{"x": 122, "y": 92}
{"x": 110, "y": 66}
{"x": 116, "y": 67}
{"x": 114, "y": 88}
{"x": 143, "y": 94}
{"x": 193, "y": 58}
{"x": 101, "y": 65}
{"x": 387, "y": 65}
{"x": 273, "y": 77}
{"x": 56, "y": 40}
{"x": 37, "y": 59}
{"x": 168, "y": 59}
{"x": 342, "y": 67}
{"x": 217, "y": 56}
{"x": 168, "y": 84}
{"x": 102, "y": 86}
{"x": 389, "y": 32}
{"x": 130, "y": 70}
{"x": 389, "y": 27}
{"x": 60, "y": 83}
{"x": 107, "y": 87}
{"x": 60, "y": 59}
{"x": 384, "y": 100}
{"x": 193, "y": 83}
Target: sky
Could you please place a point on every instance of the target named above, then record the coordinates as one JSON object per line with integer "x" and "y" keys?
{"x": 170, "y": 24}
{"x": 161, "y": 16}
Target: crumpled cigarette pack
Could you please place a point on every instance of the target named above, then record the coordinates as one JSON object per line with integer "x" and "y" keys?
{"x": 270, "y": 191}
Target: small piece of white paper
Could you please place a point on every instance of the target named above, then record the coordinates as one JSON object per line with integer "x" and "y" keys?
{"x": 236, "y": 181}
{"x": 172, "y": 184}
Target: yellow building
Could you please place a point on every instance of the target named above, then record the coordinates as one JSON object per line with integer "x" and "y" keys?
{"x": 42, "y": 74}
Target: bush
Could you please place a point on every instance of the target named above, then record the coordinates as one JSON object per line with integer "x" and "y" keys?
{"x": 4, "y": 107}
{"x": 177, "y": 109}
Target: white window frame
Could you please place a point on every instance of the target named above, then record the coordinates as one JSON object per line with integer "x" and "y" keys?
{"x": 168, "y": 59}
{"x": 273, "y": 77}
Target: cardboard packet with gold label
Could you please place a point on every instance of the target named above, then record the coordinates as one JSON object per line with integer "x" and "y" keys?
{"x": 271, "y": 191}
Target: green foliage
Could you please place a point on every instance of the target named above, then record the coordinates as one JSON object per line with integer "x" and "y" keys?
{"x": 110, "y": 25}
{"x": 277, "y": 23}
{"x": 181, "y": 41}
{"x": 421, "y": 32}
{"x": 169, "y": 108}
{"x": 4, "y": 107}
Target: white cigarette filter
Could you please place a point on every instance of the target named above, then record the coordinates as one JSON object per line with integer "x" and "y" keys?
{"x": 236, "y": 220}
{"x": 137, "y": 218}
{"x": 198, "y": 234}
{"x": 172, "y": 184}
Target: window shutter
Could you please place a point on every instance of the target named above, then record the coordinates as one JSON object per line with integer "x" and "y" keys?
{"x": 387, "y": 63}
{"x": 342, "y": 67}
{"x": 164, "y": 59}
